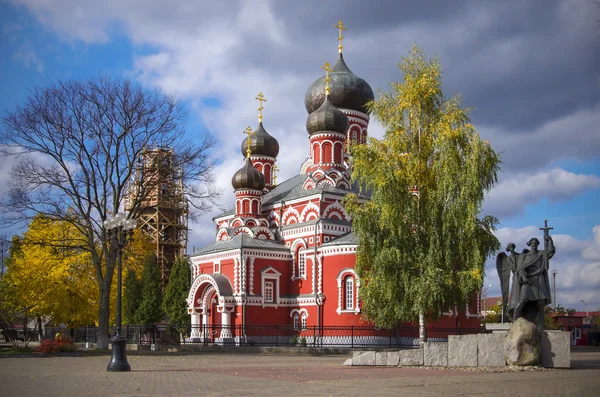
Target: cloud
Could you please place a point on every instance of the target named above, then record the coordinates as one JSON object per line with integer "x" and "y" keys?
{"x": 29, "y": 58}
{"x": 592, "y": 253}
{"x": 510, "y": 197}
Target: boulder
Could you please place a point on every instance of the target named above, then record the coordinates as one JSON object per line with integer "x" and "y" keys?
{"x": 522, "y": 345}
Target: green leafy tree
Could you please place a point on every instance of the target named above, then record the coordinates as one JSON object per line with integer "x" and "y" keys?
{"x": 174, "y": 301}
{"x": 422, "y": 240}
{"x": 132, "y": 296}
{"x": 150, "y": 310}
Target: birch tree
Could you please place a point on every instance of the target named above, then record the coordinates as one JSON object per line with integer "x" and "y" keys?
{"x": 423, "y": 240}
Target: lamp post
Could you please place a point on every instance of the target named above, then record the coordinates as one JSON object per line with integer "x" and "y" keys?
{"x": 587, "y": 313}
{"x": 120, "y": 231}
{"x": 485, "y": 290}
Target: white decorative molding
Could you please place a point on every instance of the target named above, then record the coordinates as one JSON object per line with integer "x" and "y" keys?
{"x": 289, "y": 214}
{"x": 308, "y": 209}
{"x": 270, "y": 273}
{"x": 341, "y": 293}
{"x": 335, "y": 208}
{"x": 251, "y": 275}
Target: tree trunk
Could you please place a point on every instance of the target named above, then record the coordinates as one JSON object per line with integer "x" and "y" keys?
{"x": 103, "y": 318}
{"x": 422, "y": 332}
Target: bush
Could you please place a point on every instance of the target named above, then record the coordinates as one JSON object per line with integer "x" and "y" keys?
{"x": 54, "y": 346}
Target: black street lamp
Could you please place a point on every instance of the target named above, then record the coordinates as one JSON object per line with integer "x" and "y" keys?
{"x": 120, "y": 231}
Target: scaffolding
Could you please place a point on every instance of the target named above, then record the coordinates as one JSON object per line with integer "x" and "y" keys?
{"x": 157, "y": 191}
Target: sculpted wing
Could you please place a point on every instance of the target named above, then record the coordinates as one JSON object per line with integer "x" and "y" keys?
{"x": 503, "y": 267}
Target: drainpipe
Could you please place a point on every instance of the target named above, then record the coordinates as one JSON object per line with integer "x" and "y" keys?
{"x": 281, "y": 204}
{"x": 243, "y": 292}
{"x": 315, "y": 278}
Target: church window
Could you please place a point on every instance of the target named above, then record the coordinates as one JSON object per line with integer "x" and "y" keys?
{"x": 301, "y": 264}
{"x": 269, "y": 291}
{"x": 296, "y": 321}
{"x": 304, "y": 317}
{"x": 316, "y": 153}
{"x": 327, "y": 152}
{"x": 349, "y": 293}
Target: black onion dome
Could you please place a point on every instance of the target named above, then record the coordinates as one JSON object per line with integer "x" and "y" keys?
{"x": 348, "y": 91}
{"x": 327, "y": 118}
{"x": 261, "y": 143}
{"x": 248, "y": 177}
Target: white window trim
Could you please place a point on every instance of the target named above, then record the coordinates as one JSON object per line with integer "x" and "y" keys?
{"x": 342, "y": 292}
{"x": 270, "y": 274}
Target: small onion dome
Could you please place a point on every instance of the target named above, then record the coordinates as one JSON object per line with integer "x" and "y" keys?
{"x": 348, "y": 91}
{"x": 261, "y": 143}
{"x": 248, "y": 177}
{"x": 327, "y": 118}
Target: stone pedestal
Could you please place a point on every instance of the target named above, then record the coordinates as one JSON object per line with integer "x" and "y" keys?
{"x": 411, "y": 357}
{"x": 363, "y": 358}
{"x": 556, "y": 349}
{"x": 435, "y": 354}
{"x": 462, "y": 350}
{"x": 490, "y": 349}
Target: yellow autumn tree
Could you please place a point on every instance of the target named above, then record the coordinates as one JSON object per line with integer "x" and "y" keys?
{"x": 52, "y": 276}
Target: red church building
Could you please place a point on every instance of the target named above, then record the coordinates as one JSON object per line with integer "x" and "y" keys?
{"x": 285, "y": 254}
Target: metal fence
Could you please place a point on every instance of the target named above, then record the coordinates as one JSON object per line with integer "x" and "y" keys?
{"x": 149, "y": 336}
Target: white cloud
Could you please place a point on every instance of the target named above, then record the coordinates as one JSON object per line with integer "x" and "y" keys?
{"x": 510, "y": 197}
{"x": 29, "y": 58}
{"x": 592, "y": 253}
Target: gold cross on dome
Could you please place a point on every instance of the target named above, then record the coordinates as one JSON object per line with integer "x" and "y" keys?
{"x": 260, "y": 98}
{"x": 340, "y": 26}
{"x": 275, "y": 169}
{"x": 326, "y": 69}
{"x": 248, "y": 131}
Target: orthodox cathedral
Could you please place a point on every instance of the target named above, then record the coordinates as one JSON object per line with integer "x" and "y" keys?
{"x": 285, "y": 254}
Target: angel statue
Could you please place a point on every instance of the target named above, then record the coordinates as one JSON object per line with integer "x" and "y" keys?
{"x": 530, "y": 292}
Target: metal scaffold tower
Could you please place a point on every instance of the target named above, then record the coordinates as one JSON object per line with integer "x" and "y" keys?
{"x": 164, "y": 207}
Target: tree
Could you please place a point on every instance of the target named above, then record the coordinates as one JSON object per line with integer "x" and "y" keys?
{"x": 174, "y": 301}
{"x": 132, "y": 296}
{"x": 76, "y": 146}
{"x": 422, "y": 240}
{"x": 150, "y": 310}
{"x": 50, "y": 275}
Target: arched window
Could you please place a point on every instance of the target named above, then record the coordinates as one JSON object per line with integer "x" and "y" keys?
{"x": 296, "y": 321}
{"x": 304, "y": 316}
{"x": 349, "y": 293}
{"x": 316, "y": 153}
{"x": 246, "y": 206}
{"x": 327, "y": 152}
{"x": 301, "y": 263}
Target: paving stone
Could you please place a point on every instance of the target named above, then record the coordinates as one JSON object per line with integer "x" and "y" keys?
{"x": 462, "y": 350}
{"x": 490, "y": 349}
{"x": 435, "y": 354}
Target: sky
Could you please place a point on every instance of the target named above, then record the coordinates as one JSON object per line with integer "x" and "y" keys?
{"x": 529, "y": 69}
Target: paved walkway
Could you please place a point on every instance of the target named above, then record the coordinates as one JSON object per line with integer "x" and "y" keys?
{"x": 227, "y": 374}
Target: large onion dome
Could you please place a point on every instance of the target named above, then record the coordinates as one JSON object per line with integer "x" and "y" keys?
{"x": 261, "y": 143}
{"x": 348, "y": 91}
{"x": 248, "y": 177}
{"x": 327, "y": 118}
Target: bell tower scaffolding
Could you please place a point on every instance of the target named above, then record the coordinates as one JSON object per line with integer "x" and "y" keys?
{"x": 163, "y": 213}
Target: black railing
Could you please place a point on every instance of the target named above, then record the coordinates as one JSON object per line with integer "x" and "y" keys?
{"x": 152, "y": 335}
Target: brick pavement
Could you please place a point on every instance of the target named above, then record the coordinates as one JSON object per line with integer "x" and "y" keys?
{"x": 230, "y": 374}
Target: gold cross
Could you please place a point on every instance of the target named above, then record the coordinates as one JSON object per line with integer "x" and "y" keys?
{"x": 248, "y": 131}
{"x": 326, "y": 69}
{"x": 260, "y": 98}
{"x": 340, "y": 26}
{"x": 275, "y": 169}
